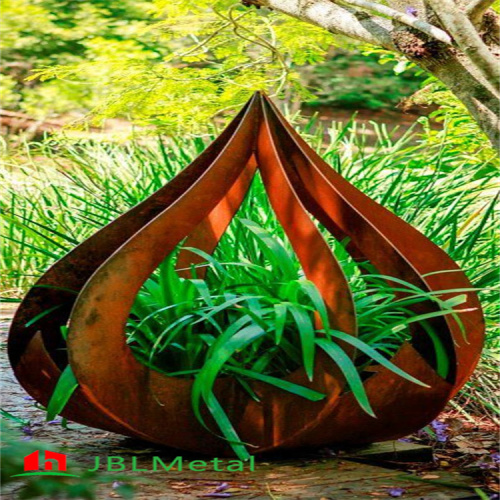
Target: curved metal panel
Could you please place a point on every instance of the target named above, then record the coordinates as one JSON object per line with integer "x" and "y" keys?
{"x": 92, "y": 289}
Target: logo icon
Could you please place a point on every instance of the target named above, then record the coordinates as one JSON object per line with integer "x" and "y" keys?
{"x": 55, "y": 464}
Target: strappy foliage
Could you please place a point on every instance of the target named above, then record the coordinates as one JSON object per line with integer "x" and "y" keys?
{"x": 253, "y": 316}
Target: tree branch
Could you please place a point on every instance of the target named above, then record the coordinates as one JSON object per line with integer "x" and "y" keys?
{"x": 477, "y": 8}
{"x": 462, "y": 71}
{"x": 336, "y": 19}
{"x": 409, "y": 20}
{"x": 467, "y": 38}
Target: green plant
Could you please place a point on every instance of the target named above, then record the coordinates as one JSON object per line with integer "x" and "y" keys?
{"x": 41, "y": 33}
{"x": 253, "y": 319}
{"x": 68, "y": 191}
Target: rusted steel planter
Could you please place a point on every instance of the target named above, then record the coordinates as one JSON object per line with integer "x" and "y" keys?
{"x": 94, "y": 287}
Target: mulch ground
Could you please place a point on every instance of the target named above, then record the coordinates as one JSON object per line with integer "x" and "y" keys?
{"x": 465, "y": 446}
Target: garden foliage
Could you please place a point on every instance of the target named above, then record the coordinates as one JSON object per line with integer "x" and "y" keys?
{"x": 62, "y": 193}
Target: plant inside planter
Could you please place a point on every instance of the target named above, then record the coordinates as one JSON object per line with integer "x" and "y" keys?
{"x": 248, "y": 312}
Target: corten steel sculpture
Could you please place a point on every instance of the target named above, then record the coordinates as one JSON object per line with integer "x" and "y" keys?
{"x": 94, "y": 286}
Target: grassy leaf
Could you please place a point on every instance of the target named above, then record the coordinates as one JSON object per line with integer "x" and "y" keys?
{"x": 65, "y": 387}
{"x": 349, "y": 371}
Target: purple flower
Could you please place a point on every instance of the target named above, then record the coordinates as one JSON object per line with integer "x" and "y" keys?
{"x": 496, "y": 457}
{"x": 117, "y": 484}
{"x": 411, "y": 11}
{"x": 28, "y": 398}
{"x": 27, "y": 430}
{"x": 486, "y": 465}
{"x": 396, "y": 492}
{"x": 404, "y": 440}
{"x": 437, "y": 425}
{"x": 56, "y": 421}
{"x": 440, "y": 430}
{"x": 218, "y": 492}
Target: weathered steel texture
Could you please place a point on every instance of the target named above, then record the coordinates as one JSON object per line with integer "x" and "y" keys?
{"x": 94, "y": 287}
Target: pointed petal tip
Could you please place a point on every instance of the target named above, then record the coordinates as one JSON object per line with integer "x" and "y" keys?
{"x": 259, "y": 94}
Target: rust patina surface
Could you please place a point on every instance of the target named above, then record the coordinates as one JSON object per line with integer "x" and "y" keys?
{"x": 92, "y": 290}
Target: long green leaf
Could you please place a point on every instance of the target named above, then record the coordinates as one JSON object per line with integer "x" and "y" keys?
{"x": 307, "y": 337}
{"x": 373, "y": 354}
{"x": 299, "y": 390}
{"x": 349, "y": 371}
{"x": 65, "y": 387}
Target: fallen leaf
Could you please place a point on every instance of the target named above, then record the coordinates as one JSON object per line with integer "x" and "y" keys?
{"x": 474, "y": 451}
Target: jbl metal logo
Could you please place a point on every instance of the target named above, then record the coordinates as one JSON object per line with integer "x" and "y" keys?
{"x": 53, "y": 464}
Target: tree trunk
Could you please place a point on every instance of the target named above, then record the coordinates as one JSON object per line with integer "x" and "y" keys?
{"x": 480, "y": 99}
